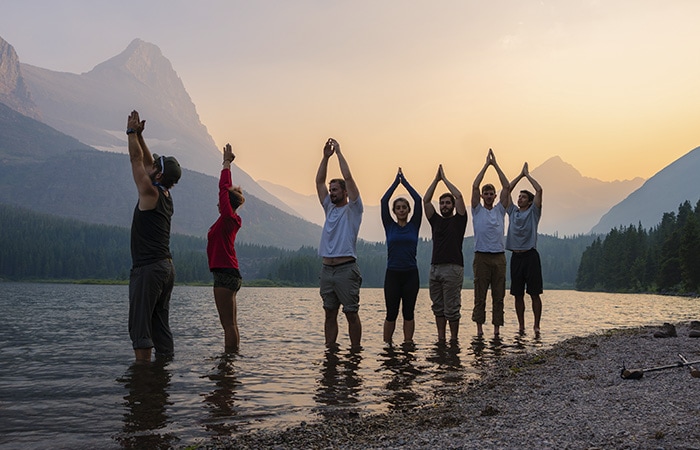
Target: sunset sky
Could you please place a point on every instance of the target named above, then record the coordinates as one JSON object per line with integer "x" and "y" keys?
{"x": 612, "y": 87}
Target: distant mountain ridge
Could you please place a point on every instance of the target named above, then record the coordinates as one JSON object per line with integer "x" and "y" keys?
{"x": 47, "y": 171}
{"x": 572, "y": 203}
{"x": 662, "y": 193}
{"x": 93, "y": 106}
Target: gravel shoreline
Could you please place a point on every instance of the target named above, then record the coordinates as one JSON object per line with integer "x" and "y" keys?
{"x": 570, "y": 396}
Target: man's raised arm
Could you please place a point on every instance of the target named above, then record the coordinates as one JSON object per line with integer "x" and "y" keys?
{"x": 350, "y": 185}
{"x": 428, "y": 197}
{"x": 148, "y": 194}
{"x": 321, "y": 188}
{"x": 514, "y": 182}
{"x": 460, "y": 207}
{"x": 504, "y": 198}
{"x": 538, "y": 189}
{"x": 147, "y": 156}
{"x": 476, "y": 192}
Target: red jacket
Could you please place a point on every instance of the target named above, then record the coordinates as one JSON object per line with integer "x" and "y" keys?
{"x": 222, "y": 234}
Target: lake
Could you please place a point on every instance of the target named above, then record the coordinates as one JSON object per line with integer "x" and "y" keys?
{"x": 67, "y": 378}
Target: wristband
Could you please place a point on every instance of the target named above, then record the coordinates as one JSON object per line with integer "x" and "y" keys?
{"x": 130, "y": 131}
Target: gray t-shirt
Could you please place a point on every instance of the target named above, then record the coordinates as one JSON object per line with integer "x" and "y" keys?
{"x": 522, "y": 227}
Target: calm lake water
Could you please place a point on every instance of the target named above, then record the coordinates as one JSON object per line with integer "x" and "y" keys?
{"x": 67, "y": 378}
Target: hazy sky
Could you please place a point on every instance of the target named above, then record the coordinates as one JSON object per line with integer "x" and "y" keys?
{"x": 613, "y": 87}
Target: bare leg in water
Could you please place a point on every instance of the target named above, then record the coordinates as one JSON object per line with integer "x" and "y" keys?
{"x": 330, "y": 327}
{"x": 409, "y": 327}
{"x": 226, "y": 306}
{"x": 536, "y": 310}
{"x": 354, "y": 329}
{"x": 441, "y": 324}
{"x": 520, "y": 312}
{"x": 389, "y": 328}
{"x": 454, "y": 330}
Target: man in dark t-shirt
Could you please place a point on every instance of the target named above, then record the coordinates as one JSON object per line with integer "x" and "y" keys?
{"x": 152, "y": 274}
{"x": 447, "y": 262}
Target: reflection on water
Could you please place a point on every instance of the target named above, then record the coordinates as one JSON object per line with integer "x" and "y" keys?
{"x": 447, "y": 366}
{"x": 221, "y": 402}
{"x": 67, "y": 378}
{"x": 339, "y": 383}
{"x": 398, "y": 367}
{"x": 146, "y": 416}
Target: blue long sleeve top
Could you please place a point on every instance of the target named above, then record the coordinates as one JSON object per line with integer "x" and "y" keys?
{"x": 401, "y": 241}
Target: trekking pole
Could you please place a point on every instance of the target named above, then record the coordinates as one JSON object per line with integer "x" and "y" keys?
{"x": 695, "y": 373}
{"x": 636, "y": 374}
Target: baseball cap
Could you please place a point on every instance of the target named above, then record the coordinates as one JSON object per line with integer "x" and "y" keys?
{"x": 168, "y": 166}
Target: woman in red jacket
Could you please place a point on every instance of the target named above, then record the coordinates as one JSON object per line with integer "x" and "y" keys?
{"x": 222, "y": 253}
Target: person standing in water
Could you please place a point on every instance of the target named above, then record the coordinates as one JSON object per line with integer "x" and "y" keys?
{"x": 221, "y": 252}
{"x": 447, "y": 261}
{"x": 489, "y": 246}
{"x": 340, "y": 280}
{"x": 152, "y": 275}
{"x": 401, "y": 280}
{"x": 525, "y": 264}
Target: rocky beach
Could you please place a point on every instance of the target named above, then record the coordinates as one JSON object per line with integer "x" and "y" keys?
{"x": 569, "y": 396}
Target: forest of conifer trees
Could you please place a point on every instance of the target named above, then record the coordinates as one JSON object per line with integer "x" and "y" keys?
{"x": 663, "y": 259}
{"x": 42, "y": 247}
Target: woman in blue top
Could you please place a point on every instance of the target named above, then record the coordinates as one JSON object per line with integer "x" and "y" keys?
{"x": 401, "y": 281}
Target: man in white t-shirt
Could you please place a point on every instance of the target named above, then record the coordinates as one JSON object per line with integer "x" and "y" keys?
{"x": 340, "y": 277}
{"x": 489, "y": 247}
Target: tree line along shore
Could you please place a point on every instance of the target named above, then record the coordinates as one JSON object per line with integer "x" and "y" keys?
{"x": 664, "y": 259}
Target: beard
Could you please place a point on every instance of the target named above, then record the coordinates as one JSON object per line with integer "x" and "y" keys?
{"x": 446, "y": 212}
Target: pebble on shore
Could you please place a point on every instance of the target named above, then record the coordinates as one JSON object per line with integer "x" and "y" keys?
{"x": 571, "y": 396}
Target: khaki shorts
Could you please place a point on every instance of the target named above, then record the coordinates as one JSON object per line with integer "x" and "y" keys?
{"x": 340, "y": 285}
{"x": 445, "y": 288}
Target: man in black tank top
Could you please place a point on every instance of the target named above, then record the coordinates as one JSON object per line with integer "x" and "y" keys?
{"x": 152, "y": 273}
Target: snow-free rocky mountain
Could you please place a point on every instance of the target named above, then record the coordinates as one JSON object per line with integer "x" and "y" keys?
{"x": 93, "y": 106}
{"x": 662, "y": 193}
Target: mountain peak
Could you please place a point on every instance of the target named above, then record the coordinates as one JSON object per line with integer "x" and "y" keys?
{"x": 557, "y": 165}
{"x": 140, "y": 49}
{"x": 13, "y": 90}
{"x": 143, "y": 61}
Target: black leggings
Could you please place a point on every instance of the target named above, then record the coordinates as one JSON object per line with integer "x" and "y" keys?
{"x": 398, "y": 285}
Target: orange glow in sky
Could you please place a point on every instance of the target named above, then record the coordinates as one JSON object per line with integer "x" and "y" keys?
{"x": 612, "y": 87}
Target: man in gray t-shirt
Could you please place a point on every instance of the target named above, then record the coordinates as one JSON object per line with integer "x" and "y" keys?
{"x": 525, "y": 265}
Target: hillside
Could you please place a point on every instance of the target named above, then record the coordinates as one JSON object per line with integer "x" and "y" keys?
{"x": 573, "y": 203}
{"x": 47, "y": 171}
{"x": 93, "y": 106}
{"x": 42, "y": 246}
{"x": 45, "y": 247}
{"x": 664, "y": 192}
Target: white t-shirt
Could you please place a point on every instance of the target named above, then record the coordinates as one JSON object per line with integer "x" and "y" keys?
{"x": 489, "y": 226}
{"x": 339, "y": 236}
